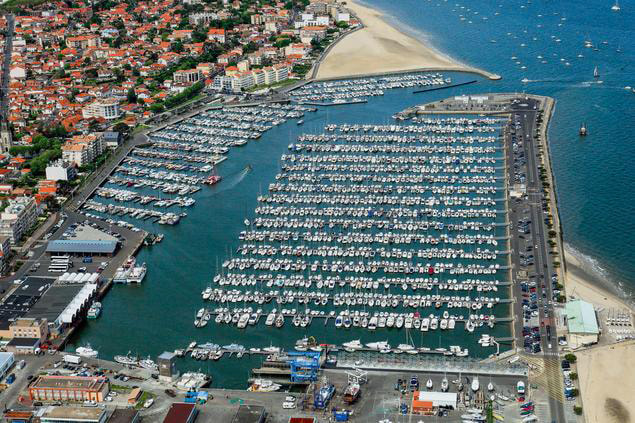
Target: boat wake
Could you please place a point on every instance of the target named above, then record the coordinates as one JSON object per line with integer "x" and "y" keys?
{"x": 230, "y": 181}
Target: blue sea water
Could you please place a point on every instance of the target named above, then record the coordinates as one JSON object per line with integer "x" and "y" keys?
{"x": 594, "y": 176}
{"x": 595, "y": 183}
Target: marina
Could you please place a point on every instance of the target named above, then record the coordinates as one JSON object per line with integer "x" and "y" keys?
{"x": 363, "y": 218}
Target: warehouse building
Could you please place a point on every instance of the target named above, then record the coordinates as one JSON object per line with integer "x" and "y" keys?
{"x": 69, "y": 388}
{"x": 82, "y": 248}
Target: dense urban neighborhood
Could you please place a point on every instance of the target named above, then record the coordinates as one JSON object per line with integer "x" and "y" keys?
{"x": 82, "y": 77}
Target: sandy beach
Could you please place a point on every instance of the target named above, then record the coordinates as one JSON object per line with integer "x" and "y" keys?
{"x": 607, "y": 373}
{"x": 379, "y": 48}
{"x": 580, "y": 284}
{"x": 607, "y": 383}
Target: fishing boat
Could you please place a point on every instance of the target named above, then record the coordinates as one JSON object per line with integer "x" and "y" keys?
{"x": 127, "y": 359}
{"x": 149, "y": 364}
{"x": 94, "y": 311}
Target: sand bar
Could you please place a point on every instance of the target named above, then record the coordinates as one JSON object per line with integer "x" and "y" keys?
{"x": 381, "y": 48}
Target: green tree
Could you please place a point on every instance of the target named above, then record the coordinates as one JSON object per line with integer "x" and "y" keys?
{"x": 132, "y": 96}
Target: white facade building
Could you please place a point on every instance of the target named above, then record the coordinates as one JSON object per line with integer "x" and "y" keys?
{"x": 107, "y": 108}
{"x": 60, "y": 171}
{"x": 18, "y": 217}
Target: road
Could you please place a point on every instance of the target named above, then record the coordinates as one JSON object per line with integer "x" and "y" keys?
{"x": 97, "y": 178}
{"x": 8, "y": 47}
{"x": 536, "y": 243}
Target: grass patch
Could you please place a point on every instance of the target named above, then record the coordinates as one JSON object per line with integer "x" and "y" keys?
{"x": 142, "y": 399}
{"x": 120, "y": 388}
{"x": 275, "y": 85}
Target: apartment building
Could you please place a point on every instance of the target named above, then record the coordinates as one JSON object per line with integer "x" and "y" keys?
{"x": 189, "y": 76}
{"x": 107, "y": 108}
{"x": 82, "y": 149}
{"x": 18, "y": 218}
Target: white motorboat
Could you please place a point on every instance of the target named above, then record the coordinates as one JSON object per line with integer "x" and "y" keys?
{"x": 86, "y": 351}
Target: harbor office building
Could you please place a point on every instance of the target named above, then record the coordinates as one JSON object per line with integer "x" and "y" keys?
{"x": 582, "y": 323}
{"x": 69, "y": 388}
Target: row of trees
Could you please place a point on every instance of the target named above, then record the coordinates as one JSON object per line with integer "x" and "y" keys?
{"x": 180, "y": 98}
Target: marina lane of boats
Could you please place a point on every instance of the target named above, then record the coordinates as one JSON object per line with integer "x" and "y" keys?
{"x": 376, "y": 227}
{"x": 345, "y": 90}
{"x": 179, "y": 159}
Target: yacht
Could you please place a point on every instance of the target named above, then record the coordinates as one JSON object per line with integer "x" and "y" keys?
{"x": 86, "y": 351}
{"x": 137, "y": 274}
{"x": 596, "y": 72}
{"x": 382, "y": 345}
{"x": 475, "y": 384}
{"x": 353, "y": 345}
{"x": 444, "y": 384}
{"x": 616, "y": 7}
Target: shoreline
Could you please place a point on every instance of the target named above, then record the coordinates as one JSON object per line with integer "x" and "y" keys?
{"x": 379, "y": 48}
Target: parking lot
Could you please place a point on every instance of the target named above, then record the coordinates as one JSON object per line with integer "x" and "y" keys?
{"x": 74, "y": 226}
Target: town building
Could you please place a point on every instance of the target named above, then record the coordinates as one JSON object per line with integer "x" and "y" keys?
{"x": 181, "y": 412}
{"x": 189, "y": 76}
{"x": 69, "y": 388}
{"x": 124, "y": 415}
{"x": 61, "y": 170}
{"x": 25, "y": 327}
{"x": 5, "y": 252}
{"x": 83, "y": 149}
{"x": 428, "y": 403}
{"x": 107, "y": 108}
{"x": 6, "y": 361}
{"x": 83, "y": 41}
{"x": 18, "y": 217}
{"x": 53, "y": 414}
{"x": 112, "y": 139}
